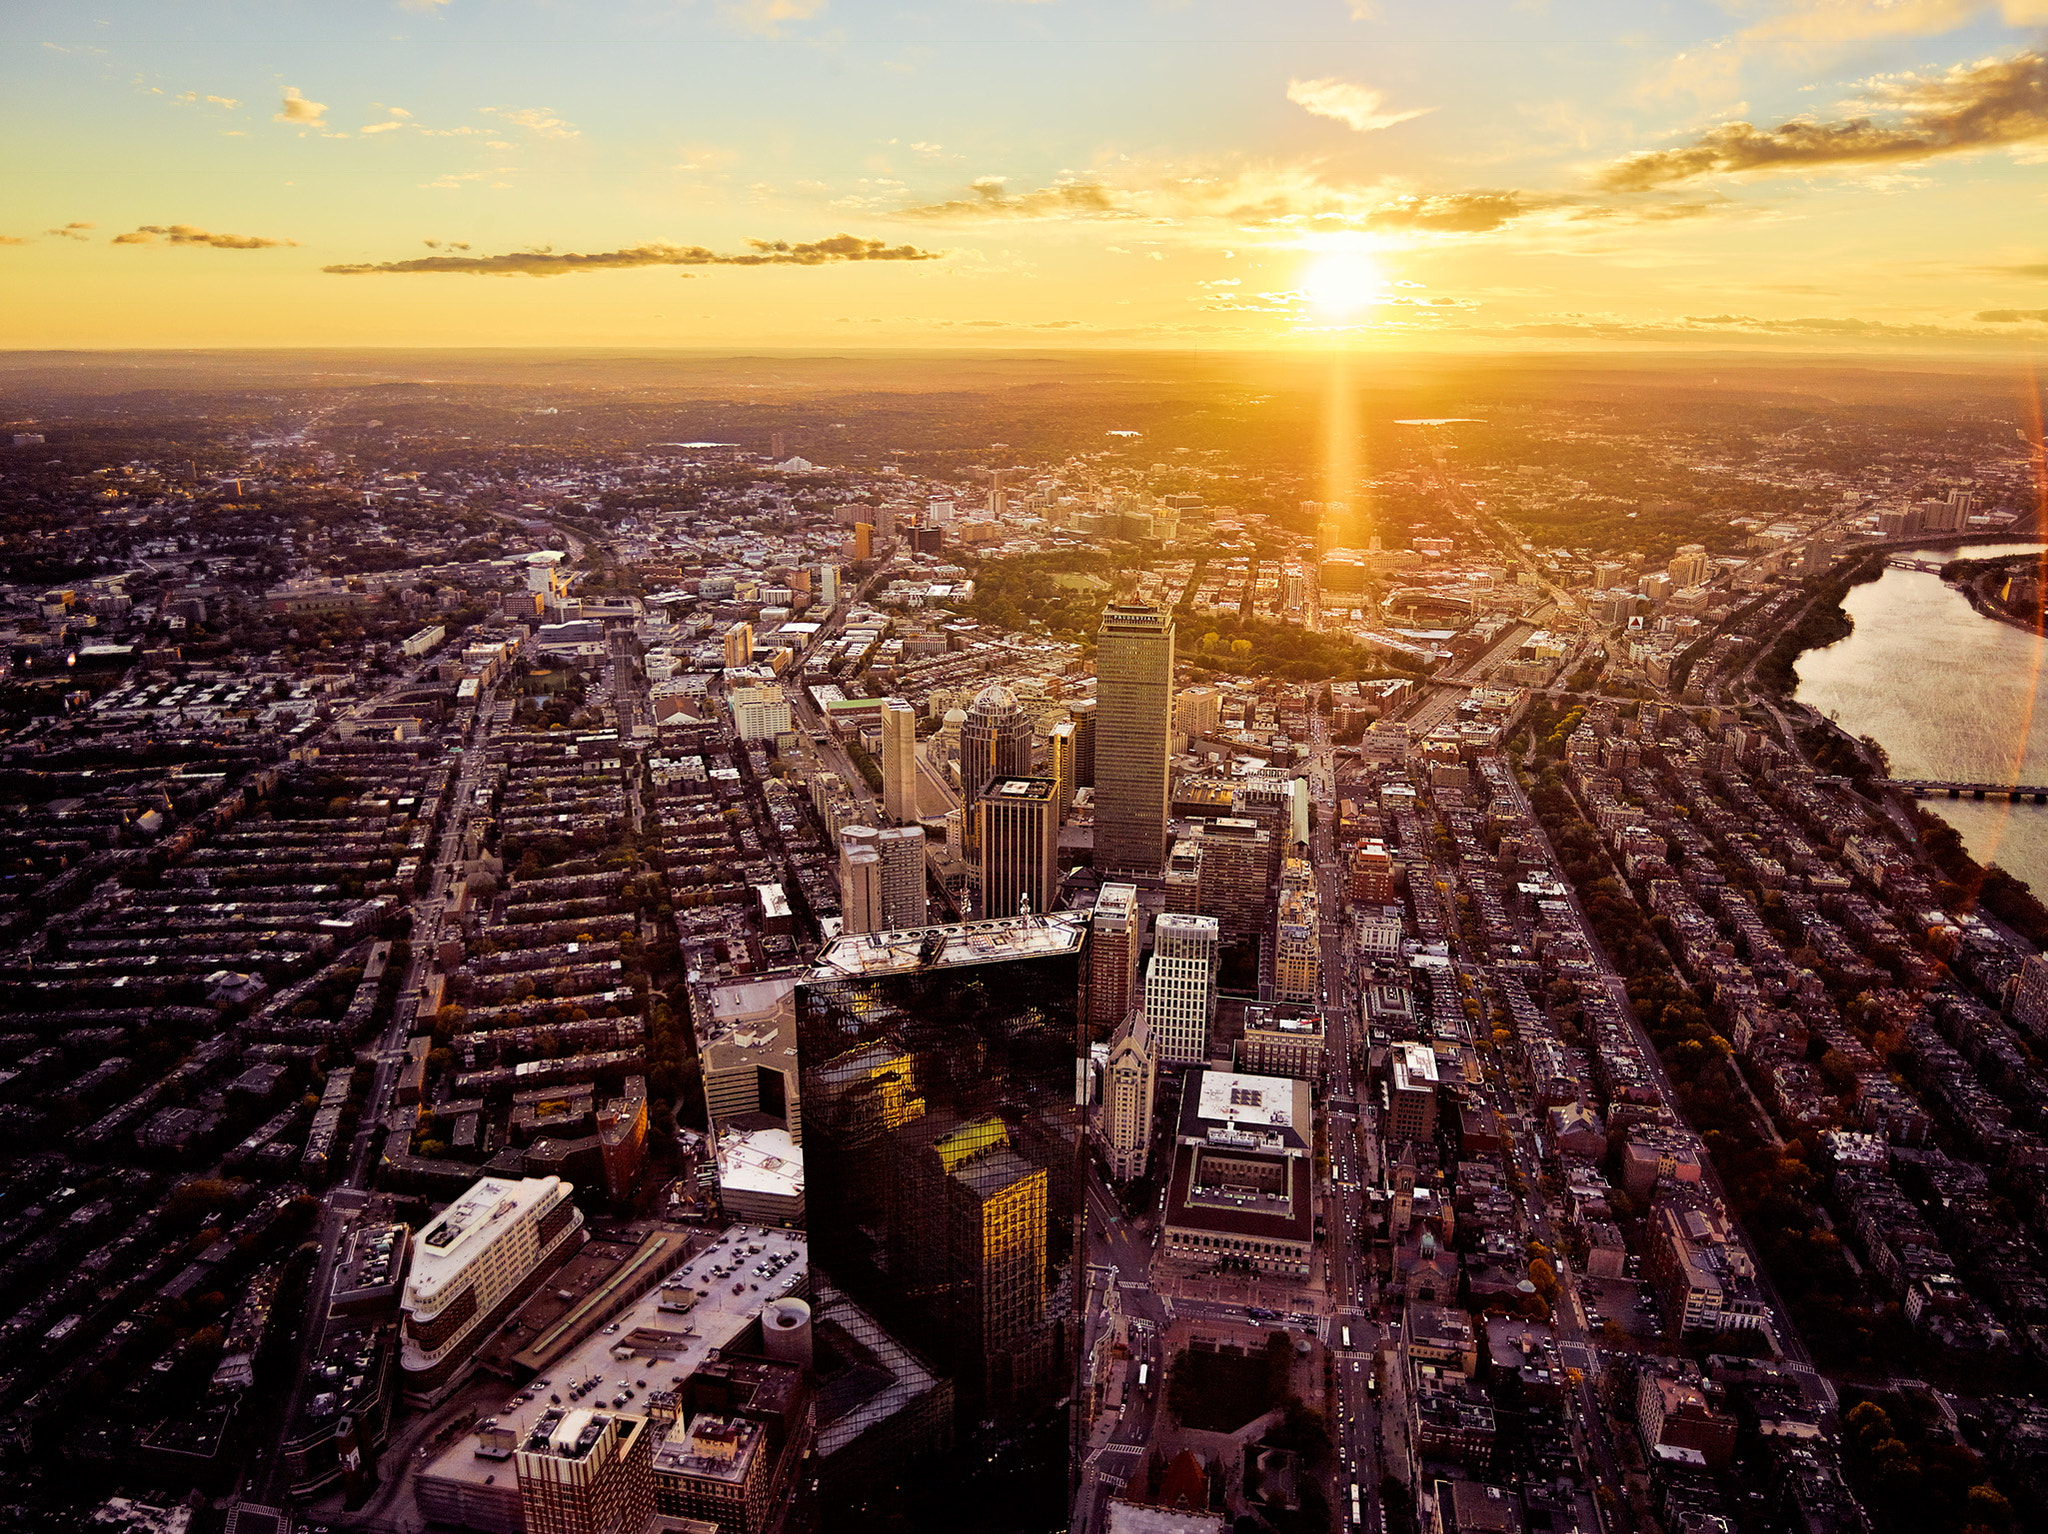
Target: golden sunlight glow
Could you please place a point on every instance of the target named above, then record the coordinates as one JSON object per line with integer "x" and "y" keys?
{"x": 1343, "y": 281}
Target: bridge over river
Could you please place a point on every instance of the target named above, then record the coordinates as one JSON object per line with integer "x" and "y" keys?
{"x": 2012, "y": 793}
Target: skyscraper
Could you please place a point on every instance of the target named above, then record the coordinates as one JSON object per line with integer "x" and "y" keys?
{"x": 1134, "y": 689}
{"x": 860, "y": 881}
{"x": 1115, "y": 929}
{"x": 903, "y": 881}
{"x": 1019, "y": 840}
{"x": 941, "y": 1134}
{"x": 881, "y": 878}
{"x": 1059, "y": 763}
{"x": 1130, "y": 1079}
{"x": 995, "y": 742}
{"x": 1082, "y": 713}
{"x": 1180, "y": 986}
{"x": 899, "y": 761}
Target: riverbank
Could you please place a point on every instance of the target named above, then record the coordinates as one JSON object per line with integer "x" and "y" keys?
{"x": 1937, "y": 697}
{"x": 1976, "y": 580}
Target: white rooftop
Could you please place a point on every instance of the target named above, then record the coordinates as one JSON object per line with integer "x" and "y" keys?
{"x": 1265, "y": 1102}
{"x": 760, "y": 1161}
{"x": 661, "y": 1339}
{"x": 489, "y": 1208}
{"x": 976, "y": 942}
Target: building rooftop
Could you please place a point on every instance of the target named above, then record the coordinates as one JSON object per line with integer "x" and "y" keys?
{"x": 762, "y": 1161}
{"x": 466, "y": 1227}
{"x": 656, "y": 1341}
{"x": 876, "y": 954}
{"x": 1224, "y": 1107}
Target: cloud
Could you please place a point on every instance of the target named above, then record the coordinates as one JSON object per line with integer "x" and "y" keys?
{"x": 14, "y": 239}
{"x": 191, "y": 234}
{"x": 767, "y": 16}
{"x": 549, "y": 263}
{"x": 1456, "y": 212}
{"x": 71, "y": 231}
{"x": 2017, "y": 271}
{"x": 297, "y": 109}
{"x": 993, "y": 200}
{"x": 1852, "y": 21}
{"x": 2012, "y": 316}
{"x": 1989, "y": 105}
{"x": 540, "y": 121}
{"x": 1355, "y": 106}
{"x": 193, "y": 98}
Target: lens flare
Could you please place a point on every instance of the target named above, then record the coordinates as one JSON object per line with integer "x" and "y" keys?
{"x": 1343, "y": 282}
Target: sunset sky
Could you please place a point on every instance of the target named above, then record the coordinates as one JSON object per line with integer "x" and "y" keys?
{"x": 1475, "y": 174}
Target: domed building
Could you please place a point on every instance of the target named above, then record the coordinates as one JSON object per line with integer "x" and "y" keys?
{"x": 995, "y": 742}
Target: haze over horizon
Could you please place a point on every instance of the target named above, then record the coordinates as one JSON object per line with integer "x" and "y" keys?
{"x": 1820, "y": 175}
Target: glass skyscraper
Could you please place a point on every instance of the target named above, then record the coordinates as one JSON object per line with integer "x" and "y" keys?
{"x": 1133, "y": 725}
{"x": 942, "y": 1144}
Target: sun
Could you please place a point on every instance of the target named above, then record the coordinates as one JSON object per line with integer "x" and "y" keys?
{"x": 1343, "y": 282}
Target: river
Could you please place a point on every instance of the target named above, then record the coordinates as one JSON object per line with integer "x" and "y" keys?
{"x": 1948, "y": 693}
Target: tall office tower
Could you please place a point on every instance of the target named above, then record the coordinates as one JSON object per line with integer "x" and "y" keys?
{"x": 860, "y": 881}
{"x": 1082, "y": 712}
{"x": 828, "y": 586}
{"x": 1059, "y": 763}
{"x": 899, "y": 761}
{"x": 1180, "y": 986}
{"x": 1130, "y": 1080}
{"x": 475, "y": 1263}
{"x": 739, "y": 645}
{"x": 1019, "y": 837}
{"x": 1297, "y": 937}
{"x": 1134, "y": 723}
{"x": 941, "y": 1135}
{"x": 995, "y": 742}
{"x": 860, "y": 543}
{"x": 1178, "y": 1002}
{"x": 1115, "y": 933}
{"x": 586, "y": 1472}
{"x": 903, "y": 880}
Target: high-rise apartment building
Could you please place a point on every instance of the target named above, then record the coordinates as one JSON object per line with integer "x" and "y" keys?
{"x": 586, "y": 1472}
{"x": 860, "y": 881}
{"x": 1411, "y": 1092}
{"x": 899, "y": 761}
{"x": 1689, "y": 566}
{"x": 1134, "y": 722}
{"x": 1198, "y": 710}
{"x": 760, "y": 713}
{"x": 903, "y": 879}
{"x": 739, "y": 645}
{"x": 1130, "y": 1080}
{"x": 1180, "y": 986}
{"x": 881, "y": 878}
{"x": 474, "y": 1264}
{"x": 1018, "y": 836}
{"x": 1115, "y": 934}
{"x": 941, "y": 1131}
